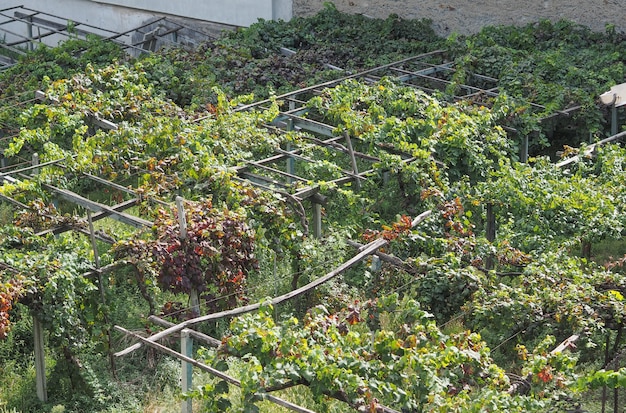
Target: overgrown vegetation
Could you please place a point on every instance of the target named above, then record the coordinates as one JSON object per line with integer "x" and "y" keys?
{"x": 459, "y": 319}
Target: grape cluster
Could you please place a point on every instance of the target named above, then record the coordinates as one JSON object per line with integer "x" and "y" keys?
{"x": 213, "y": 259}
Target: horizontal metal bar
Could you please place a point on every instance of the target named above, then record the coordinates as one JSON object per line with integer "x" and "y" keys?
{"x": 30, "y": 168}
{"x": 98, "y": 207}
{"x": 340, "y": 80}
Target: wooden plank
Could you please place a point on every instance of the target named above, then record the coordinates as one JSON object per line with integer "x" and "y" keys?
{"x": 367, "y": 250}
{"x": 206, "y": 339}
{"x": 307, "y": 192}
{"x": 278, "y": 171}
{"x": 616, "y": 96}
{"x": 589, "y": 150}
{"x": 103, "y": 123}
{"x": 355, "y": 169}
{"x": 262, "y": 180}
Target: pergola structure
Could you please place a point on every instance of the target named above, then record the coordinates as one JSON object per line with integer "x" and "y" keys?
{"x": 429, "y": 72}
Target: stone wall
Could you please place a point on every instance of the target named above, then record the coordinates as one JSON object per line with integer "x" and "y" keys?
{"x": 468, "y": 16}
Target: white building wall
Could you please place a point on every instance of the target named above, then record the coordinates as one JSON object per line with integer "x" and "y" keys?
{"x": 235, "y": 12}
{"x": 121, "y": 15}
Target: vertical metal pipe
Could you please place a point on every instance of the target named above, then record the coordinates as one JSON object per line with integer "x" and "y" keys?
{"x": 29, "y": 31}
{"x": 291, "y": 162}
{"x": 40, "y": 360}
{"x": 524, "y": 149}
{"x": 35, "y": 161}
{"x": 186, "y": 348}
{"x": 613, "y": 119}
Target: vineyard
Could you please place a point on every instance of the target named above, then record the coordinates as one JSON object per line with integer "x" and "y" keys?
{"x": 331, "y": 214}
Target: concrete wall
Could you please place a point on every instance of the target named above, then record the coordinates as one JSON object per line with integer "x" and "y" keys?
{"x": 121, "y": 15}
{"x": 235, "y": 12}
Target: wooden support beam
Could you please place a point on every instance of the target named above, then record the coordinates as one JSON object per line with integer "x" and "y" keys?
{"x": 490, "y": 233}
{"x": 95, "y": 217}
{"x": 206, "y": 339}
{"x": 367, "y": 250}
{"x": 364, "y": 251}
{"x": 263, "y": 181}
{"x": 277, "y": 171}
{"x": 355, "y": 168}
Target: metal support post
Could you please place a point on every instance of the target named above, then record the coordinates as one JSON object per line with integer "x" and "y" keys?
{"x": 524, "y": 149}
{"x": 29, "y": 33}
{"x": 613, "y": 119}
{"x": 291, "y": 162}
{"x": 186, "y": 348}
{"x": 35, "y": 161}
{"x": 40, "y": 360}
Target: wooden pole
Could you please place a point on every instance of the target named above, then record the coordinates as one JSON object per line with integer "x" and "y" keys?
{"x": 94, "y": 245}
{"x": 186, "y": 343}
{"x": 194, "y": 300}
{"x": 355, "y": 169}
{"x": 490, "y": 233}
{"x": 317, "y": 220}
{"x": 182, "y": 219}
{"x": 291, "y": 162}
{"x": 40, "y": 354}
{"x": 40, "y": 360}
{"x": 186, "y": 348}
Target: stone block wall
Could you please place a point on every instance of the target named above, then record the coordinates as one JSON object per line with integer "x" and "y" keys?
{"x": 468, "y": 16}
